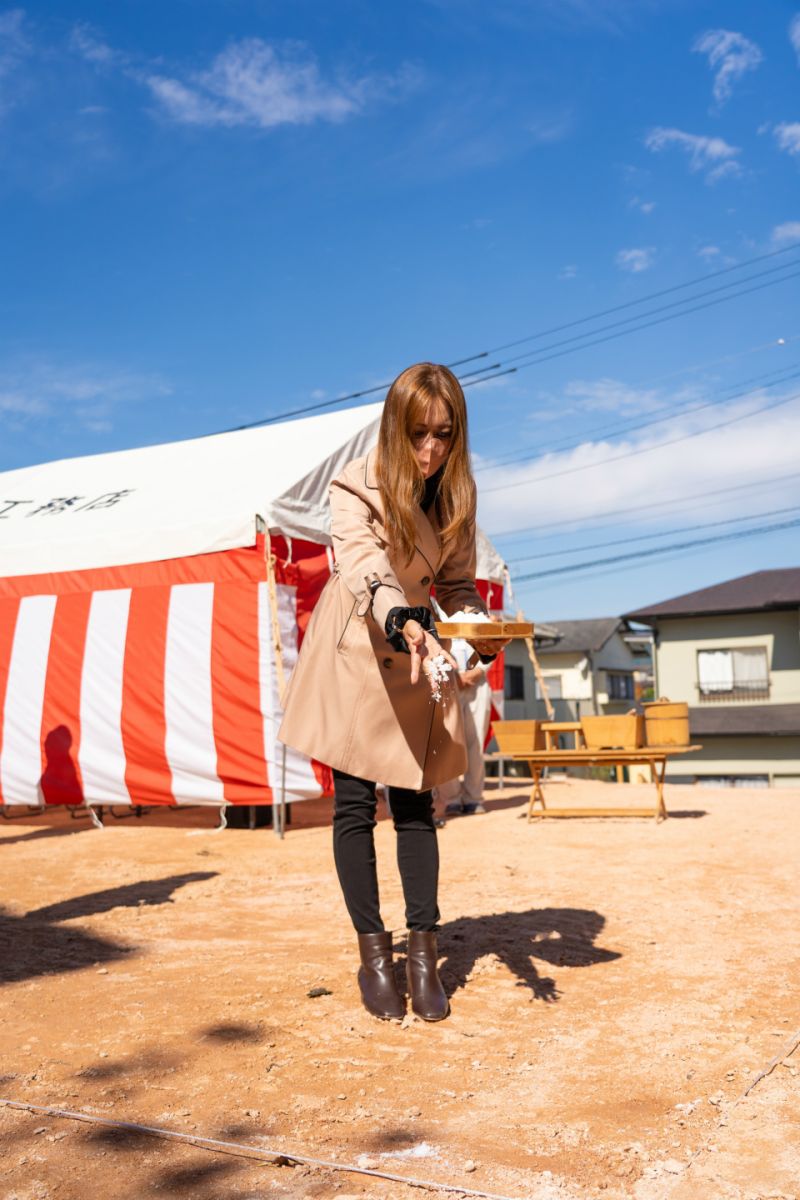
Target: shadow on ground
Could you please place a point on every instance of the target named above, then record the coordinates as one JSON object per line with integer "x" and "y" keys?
{"x": 130, "y": 895}
{"x": 558, "y": 936}
{"x": 50, "y": 831}
{"x": 35, "y": 945}
{"x": 236, "y": 1033}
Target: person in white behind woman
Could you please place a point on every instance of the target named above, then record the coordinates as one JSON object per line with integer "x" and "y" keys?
{"x": 464, "y": 796}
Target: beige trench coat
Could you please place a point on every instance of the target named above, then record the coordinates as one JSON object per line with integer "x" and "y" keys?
{"x": 350, "y": 701}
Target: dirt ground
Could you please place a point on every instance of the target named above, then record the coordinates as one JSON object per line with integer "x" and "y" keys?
{"x": 616, "y": 985}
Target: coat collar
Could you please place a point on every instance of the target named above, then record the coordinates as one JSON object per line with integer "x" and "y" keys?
{"x": 428, "y": 541}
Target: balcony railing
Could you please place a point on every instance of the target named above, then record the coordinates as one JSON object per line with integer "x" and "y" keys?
{"x": 723, "y": 692}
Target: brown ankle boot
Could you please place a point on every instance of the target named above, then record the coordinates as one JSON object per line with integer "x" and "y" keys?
{"x": 376, "y": 977}
{"x": 428, "y": 998}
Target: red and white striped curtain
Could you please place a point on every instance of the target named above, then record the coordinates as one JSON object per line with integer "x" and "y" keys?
{"x": 150, "y": 684}
{"x": 492, "y": 593}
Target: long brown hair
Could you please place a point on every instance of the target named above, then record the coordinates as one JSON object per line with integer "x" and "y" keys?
{"x": 400, "y": 479}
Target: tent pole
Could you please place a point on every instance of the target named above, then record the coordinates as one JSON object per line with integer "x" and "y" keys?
{"x": 279, "y": 817}
{"x": 277, "y": 646}
{"x": 537, "y": 670}
{"x": 279, "y": 809}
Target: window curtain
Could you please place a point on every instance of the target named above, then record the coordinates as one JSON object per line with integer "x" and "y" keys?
{"x": 553, "y": 685}
{"x": 750, "y": 667}
{"x": 715, "y": 671}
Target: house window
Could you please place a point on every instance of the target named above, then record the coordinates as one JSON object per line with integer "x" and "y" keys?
{"x": 515, "y": 683}
{"x": 553, "y": 685}
{"x": 740, "y": 674}
{"x": 739, "y": 781}
{"x": 620, "y": 686}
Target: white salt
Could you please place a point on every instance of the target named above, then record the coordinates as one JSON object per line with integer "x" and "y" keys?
{"x": 472, "y": 618}
{"x": 439, "y": 674}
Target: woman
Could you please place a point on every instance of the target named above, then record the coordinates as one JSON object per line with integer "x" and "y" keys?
{"x": 402, "y": 520}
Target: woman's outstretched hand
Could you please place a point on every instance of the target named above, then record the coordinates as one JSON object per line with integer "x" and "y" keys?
{"x": 423, "y": 646}
{"x": 488, "y": 647}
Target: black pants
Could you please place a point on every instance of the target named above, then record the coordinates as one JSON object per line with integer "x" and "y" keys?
{"x": 354, "y": 852}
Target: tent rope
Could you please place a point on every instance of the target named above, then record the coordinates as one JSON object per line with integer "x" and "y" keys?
{"x": 242, "y": 1150}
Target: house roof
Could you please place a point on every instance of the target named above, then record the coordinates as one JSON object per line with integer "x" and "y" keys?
{"x": 776, "y": 589}
{"x": 728, "y": 720}
{"x": 542, "y": 632}
{"x": 582, "y": 636}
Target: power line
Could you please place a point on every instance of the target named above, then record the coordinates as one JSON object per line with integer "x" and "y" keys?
{"x": 606, "y": 431}
{"x": 645, "y": 537}
{"x": 382, "y": 387}
{"x": 685, "y": 312}
{"x": 607, "y": 312}
{"x": 501, "y": 487}
{"x": 617, "y": 512}
{"x": 656, "y": 550}
{"x": 641, "y": 385}
{"x": 723, "y": 358}
{"x": 544, "y": 585}
{"x": 737, "y": 283}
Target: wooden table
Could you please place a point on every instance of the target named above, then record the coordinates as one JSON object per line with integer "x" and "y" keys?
{"x": 552, "y": 729}
{"x": 653, "y": 756}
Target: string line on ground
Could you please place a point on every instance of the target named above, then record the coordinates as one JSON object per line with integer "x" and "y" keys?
{"x": 242, "y": 1150}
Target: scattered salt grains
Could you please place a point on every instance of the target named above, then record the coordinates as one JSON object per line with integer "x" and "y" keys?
{"x": 439, "y": 674}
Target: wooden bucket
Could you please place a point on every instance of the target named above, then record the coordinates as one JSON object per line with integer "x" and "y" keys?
{"x": 666, "y": 723}
{"x": 622, "y": 731}
{"x": 518, "y": 737}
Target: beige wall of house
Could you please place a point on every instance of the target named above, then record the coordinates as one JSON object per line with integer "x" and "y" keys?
{"x": 778, "y": 758}
{"x": 680, "y": 639}
{"x": 579, "y": 684}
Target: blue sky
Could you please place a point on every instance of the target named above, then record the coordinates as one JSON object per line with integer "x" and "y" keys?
{"x": 218, "y": 210}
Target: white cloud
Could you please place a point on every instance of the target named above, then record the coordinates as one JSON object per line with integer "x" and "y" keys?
{"x": 252, "y": 83}
{"x": 708, "y": 252}
{"x": 752, "y": 450}
{"x": 713, "y": 256}
{"x": 547, "y": 130}
{"x": 788, "y": 232}
{"x": 14, "y": 45}
{"x": 713, "y": 155}
{"x": 636, "y": 259}
{"x": 85, "y": 42}
{"x": 644, "y": 206}
{"x": 611, "y": 395}
{"x": 13, "y": 41}
{"x": 86, "y": 394}
{"x": 794, "y": 33}
{"x": 20, "y": 403}
{"x": 787, "y": 135}
{"x": 731, "y": 55}
{"x": 568, "y": 272}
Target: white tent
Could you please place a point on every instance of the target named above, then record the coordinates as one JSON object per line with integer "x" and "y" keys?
{"x": 143, "y": 639}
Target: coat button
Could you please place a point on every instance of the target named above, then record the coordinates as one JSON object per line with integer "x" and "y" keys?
{"x": 425, "y": 580}
{"x": 388, "y": 662}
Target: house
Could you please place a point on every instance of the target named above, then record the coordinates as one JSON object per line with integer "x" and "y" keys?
{"x": 733, "y": 652}
{"x": 589, "y": 667}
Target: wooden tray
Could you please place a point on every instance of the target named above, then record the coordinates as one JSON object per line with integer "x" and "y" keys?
{"x": 483, "y": 631}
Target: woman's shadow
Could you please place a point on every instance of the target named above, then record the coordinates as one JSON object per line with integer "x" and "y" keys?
{"x": 558, "y": 936}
